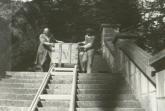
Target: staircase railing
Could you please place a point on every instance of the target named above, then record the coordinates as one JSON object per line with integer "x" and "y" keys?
{"x": 74, "y": 91}
{"x": 132, "y": 62}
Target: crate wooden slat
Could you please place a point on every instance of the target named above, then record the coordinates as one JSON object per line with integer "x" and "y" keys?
{"x": 66, "y": 53}
{"x": 74, "y": 54}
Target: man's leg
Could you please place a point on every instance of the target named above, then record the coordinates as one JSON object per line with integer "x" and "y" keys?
{"x": 80, "y": 60}
{"x": 83, "y": 61}
{"x": 90, "y": 54}
{"x": 39, "y": 63}
{"x": 46, "y": 64}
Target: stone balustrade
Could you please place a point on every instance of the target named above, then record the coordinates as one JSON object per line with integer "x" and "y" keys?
{"x": 133, "y": 63}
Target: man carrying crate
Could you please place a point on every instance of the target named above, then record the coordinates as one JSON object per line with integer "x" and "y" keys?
{"x": 44, "y": 48}
{"x": 87, "y": 51}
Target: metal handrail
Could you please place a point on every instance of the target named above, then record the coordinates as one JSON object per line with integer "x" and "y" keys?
{"x": 74, "y": 88}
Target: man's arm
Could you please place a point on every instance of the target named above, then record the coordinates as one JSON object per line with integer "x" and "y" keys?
{"x": 89, "y": 45}
{"x": 43, "y": 41}
{"x": 53, "y": 40}
{"x": 81, "y": 43}
{"x": 59, "y": 41}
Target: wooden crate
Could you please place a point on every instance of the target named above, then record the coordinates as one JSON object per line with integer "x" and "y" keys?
{"x": 66, "y": 53}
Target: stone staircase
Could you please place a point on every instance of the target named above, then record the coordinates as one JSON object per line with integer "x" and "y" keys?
{"x": 105, "y": 92}
{"x": 18, "y": 89}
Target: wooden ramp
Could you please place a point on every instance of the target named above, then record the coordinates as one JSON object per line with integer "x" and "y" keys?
{"x": 58, "y": 91}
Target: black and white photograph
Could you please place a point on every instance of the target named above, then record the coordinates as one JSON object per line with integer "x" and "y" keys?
{"x": 82, "y": 55}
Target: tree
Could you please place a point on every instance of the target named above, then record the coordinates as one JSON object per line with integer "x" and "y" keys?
{"x": 153, "y": 23}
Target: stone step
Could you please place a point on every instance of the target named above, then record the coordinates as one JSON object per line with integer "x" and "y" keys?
{"x": 104, "y": 97}
{"x": 63, "y": 73}
{"x": 4, "y": 108}
{"x": 102, "y": 91}
{"x": 59, "y": 77}
{"x": 17, "y": 96}
{"x": 15, "y": 103}
{"x": 101, "y": 86}
{"x": 109, "y": 109}
{"x": 26, "y": 73}
{"x": 65, "y": 91}
{"x": 21, "y": 77}
{"x": 100, "y": 81}
{"x": 54, "y": 103}
{"x": 52, "y": 109}
{"x": 18, "y": 85}
{"x": 101, "y": 74}
{"x": 61, "y": 81}
{"x": 18, "y": 91}
{"x": 108, "y": 104}
{"x": 59, "y": 86}
{"x": 20, "y": 80}
{"x": 106, "y": 78}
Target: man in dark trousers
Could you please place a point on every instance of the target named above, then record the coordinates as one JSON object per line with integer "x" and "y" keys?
{"x": 44, "y": 48}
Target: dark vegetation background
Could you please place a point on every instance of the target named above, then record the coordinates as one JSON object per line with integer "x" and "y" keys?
{"x": 21, "y": 23}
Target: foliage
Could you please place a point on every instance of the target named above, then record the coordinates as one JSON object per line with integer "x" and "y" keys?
{"x": 67, "y": 18}
{"x": 25, "y": 27}
{"x": 152, "y": 25}
{"x": 5, "y": 37}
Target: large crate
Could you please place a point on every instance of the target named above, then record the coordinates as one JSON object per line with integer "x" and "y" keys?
{"x": 65, "y": 53}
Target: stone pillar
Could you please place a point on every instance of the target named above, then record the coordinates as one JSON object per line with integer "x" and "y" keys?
{"x": 108, "y": 35}
{"x": 160, "y": 82}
